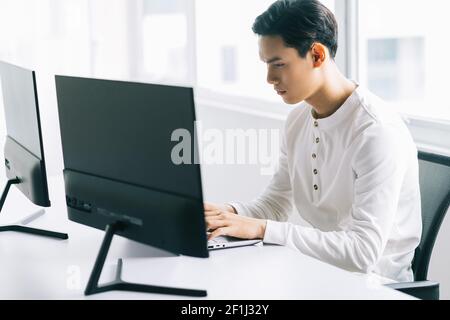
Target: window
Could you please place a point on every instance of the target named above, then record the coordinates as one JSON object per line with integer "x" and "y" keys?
{"x": 403, "y": 54}
{"x": 389, "y": 60}
{"x": 46, "y": 34}
{"x": 166, "y": 40}
{"x": 73, "y": 37}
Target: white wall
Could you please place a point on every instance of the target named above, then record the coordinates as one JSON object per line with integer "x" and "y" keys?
{"x": 233, "y": 181}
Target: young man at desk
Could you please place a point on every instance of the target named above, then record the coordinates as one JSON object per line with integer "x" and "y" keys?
{"x": 347, "y": 165}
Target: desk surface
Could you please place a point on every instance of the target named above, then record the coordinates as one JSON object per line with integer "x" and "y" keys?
{"x": 35, "y": 267}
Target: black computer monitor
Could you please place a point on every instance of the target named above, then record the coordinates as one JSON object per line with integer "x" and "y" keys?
{"x": 118, "y": 170}
{"x": 24, "y": 151}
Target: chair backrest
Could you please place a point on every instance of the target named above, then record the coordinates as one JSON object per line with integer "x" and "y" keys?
{"x": 434, "y": 176}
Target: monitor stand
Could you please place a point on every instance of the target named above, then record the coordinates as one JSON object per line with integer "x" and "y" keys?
{"x": 21, "y": 228}
{"x": 118, "y": 284}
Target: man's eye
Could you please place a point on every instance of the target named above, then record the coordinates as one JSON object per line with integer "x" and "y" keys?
{"x": 279, "y": 65}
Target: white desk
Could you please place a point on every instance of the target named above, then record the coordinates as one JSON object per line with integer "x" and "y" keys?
{"x": 33, "y": 267}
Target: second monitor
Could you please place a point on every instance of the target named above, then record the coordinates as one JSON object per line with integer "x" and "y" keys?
{"x": 24, "y": 149}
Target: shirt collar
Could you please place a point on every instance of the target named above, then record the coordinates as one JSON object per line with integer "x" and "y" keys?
{"x": 340, "y": 114}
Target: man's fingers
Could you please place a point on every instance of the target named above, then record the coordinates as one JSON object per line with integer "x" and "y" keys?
{"x": 209, "y": 206}
{"x": 212, "y": 213}
{"x": 219, "y": 232}
{"x": 212, "y": 224}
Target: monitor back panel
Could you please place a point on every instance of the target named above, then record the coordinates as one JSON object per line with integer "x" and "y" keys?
{"x": 23, "y": 151}
{"x": 118, "y": 149}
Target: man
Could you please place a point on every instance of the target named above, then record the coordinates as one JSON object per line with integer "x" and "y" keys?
{"x": 348, "y": 164}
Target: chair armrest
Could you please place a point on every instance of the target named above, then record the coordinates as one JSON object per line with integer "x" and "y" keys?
{"x": 426, "y": 290}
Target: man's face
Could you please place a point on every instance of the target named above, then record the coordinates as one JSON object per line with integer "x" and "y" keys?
{"x": 294, "y": 78}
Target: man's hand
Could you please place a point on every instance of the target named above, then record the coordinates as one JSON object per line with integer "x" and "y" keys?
{"x": 226, "y": 223}
{"x": 211, "y": 207}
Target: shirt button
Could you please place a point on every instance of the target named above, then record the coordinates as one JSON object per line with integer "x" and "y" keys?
{"x": 315, "y": 171}
{"x": 317, "y": 140}
{"x": 316, "y": 124}
{"x": 314, "y": 155}
{"x": 316, "y": 187}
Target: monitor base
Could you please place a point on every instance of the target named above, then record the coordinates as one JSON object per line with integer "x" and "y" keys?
{"x": 118, "y": 284}
{"x": 21, "y": 228}
{"x": 38, "y": 232}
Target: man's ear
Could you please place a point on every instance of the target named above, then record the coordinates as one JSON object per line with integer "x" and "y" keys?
{"x": 318, "y": 52}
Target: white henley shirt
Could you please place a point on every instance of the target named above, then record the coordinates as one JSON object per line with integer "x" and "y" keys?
{"x": 353, "y": 176}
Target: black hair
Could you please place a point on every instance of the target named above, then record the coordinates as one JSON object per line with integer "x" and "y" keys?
{"x": 299, "y": 23}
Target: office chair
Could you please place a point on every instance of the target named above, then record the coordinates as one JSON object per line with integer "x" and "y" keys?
{"x": 434, "y": 180}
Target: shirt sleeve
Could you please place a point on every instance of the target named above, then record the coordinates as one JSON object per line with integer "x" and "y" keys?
{"x": 378, "y": 165}
{"x": 276, "y": 201}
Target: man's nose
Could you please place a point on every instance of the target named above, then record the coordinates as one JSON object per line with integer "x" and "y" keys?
{"x": 271, "y": 79}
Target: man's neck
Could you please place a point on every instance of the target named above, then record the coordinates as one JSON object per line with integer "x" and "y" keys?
{"x": 332, "y": 94}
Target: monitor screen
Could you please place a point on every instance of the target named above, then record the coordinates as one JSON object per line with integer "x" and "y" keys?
{"x": 20, "y": 107}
